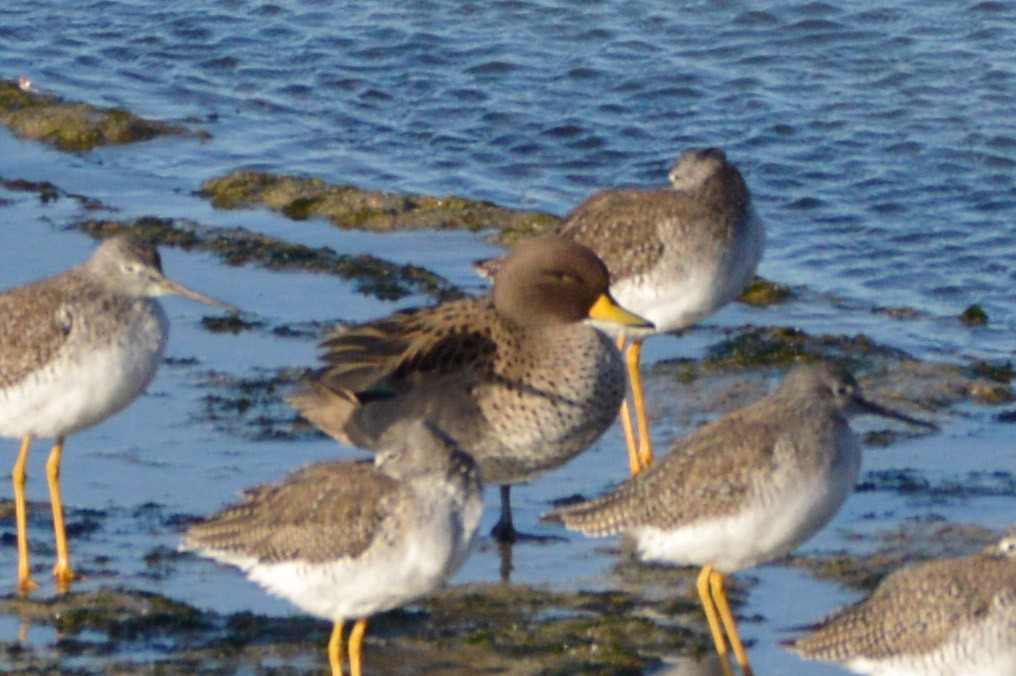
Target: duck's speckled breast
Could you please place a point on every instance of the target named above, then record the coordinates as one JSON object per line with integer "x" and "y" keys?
{"x": 549, "y": 402}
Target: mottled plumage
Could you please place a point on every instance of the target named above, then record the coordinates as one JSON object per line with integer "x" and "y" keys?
{"x": 305, "y": 517}
{"x": 675, "y": 255}
{"x": 951, "y": 616}
{"x": 744, "y": 489}
{"x": 518, "y": 380}
{"x": 75, "y": 349}
{"x": 344, "y": 540}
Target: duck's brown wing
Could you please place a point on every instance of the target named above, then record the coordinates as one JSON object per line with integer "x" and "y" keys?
{"x": 397, "y": 358}
{"x": 383, "y": 353}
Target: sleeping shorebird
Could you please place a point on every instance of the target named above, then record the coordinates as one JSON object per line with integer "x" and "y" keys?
{"x": 345, "y": 540}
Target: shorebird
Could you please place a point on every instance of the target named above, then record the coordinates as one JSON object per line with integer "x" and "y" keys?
{"x": 676, "y": 255}
{"x": 940, "y": 618}
{"x": 519, "y": 380}
{"x": 76, "y": 348}
{"x": 345, "y": 540}
{"x": 742, "y": 490}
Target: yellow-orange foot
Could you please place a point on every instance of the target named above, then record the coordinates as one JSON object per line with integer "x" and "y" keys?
{"x": 64, "y": 575}
{"x": 26, "y": 586}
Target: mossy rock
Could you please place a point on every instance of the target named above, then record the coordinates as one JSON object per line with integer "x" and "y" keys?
{"x": 769, "y": 346}
{"x": 974, "y": 316}
{"x": 237, "y": 246}
{"x": 763, "y": 293}
{"x": 72, "y": 126}
{"x": 348, "y": 207}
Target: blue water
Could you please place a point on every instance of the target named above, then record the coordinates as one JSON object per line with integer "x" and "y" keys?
{"x": 879, "y": 143}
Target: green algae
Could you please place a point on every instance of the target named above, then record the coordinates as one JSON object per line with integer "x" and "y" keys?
{"x": 238, "y": 246}
{"x": 910, "y": 542}
{"x": 48, "y": 192}
{"x": 929, "y": 384}
{"x": 73, "y": 126}
{"x": 252, "y": 407}
{"x": 500, "y": 628}
{"x": 231, "y": 324}
{"x": 761, "y": 292}
{"x": 974, "y": 316}
{"x": 772, "y": 346}
{"x": 898, "y": 312}
{"x": 990, "y": 394}
{"x": 348, "y": 207}
{"x": 124, "y": 615}
{"x": 999, "y": 372}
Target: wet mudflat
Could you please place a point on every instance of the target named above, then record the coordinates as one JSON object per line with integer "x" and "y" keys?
{"x": 877, "y": 144}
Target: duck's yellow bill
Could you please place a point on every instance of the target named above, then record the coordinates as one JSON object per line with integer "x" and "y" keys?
{"x": 605, "y": 309}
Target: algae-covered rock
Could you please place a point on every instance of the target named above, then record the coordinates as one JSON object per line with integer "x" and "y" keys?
{"x": 48, "y": 192}
{"x": 769, "y": 346}
{"x": 346, "y": 206}
{"x": 72, "y": 126}
{"x": 763, "y": 293}
{"x": 499, "y": 629}
{"x": 974, "y": 316}
{"x": 237, "y": 246}
{"x": 913, "y": 541}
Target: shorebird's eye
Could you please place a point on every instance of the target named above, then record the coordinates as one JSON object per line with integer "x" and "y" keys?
{"x": 388, "y": 456}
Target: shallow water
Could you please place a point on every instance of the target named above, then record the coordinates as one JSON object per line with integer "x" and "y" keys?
{"x": 879, "y": 144}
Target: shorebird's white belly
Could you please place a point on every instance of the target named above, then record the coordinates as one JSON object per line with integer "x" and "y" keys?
{"x": 674, "y": 304}
{"x": 764, "y": 530}
{"x": 88, "y": 380}
{"x": 398, "y": 567}
{"x": 676, "y": 301}
{"x": 976, "y": 660}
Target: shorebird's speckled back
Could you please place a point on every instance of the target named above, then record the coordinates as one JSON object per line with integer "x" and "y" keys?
{"x": 335, "y": 511}
{"x": 675, "y": 254}
{"x": 945, "y": 617}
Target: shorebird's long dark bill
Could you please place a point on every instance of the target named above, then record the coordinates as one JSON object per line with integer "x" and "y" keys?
{"x": 174, "y": 288}
{"x": 872, "y": 408}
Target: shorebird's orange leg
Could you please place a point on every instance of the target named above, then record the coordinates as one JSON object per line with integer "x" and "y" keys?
{"x": 702, "y": 584}
{"x": 719, "y": 595}
{"x": 335, "y": 649}
{"x": 356, "y": 646}
{"x": 62, "y": 571}
{"x": 25, "y": 582}
{"x": 626, "y": 423}
{"x": 633, "y": 356}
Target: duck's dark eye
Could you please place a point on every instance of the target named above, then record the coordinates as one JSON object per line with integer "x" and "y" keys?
{"x": 562, "y": 277}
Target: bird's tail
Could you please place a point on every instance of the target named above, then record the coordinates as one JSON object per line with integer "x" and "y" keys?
{"x": 325, "y": 408}
{"x": 599, "y": 517}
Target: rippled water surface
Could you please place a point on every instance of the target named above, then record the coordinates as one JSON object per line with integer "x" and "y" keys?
{"x": 879, "y": 143}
